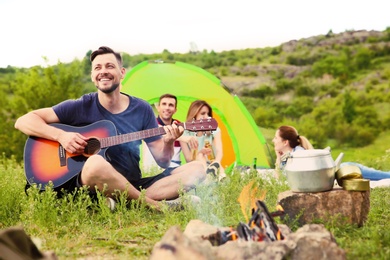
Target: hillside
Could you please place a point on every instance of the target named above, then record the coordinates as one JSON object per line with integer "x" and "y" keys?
{"x": 307, "y": 48}
{"x": 339, "y": 78}
{"x": 334, "y": 88}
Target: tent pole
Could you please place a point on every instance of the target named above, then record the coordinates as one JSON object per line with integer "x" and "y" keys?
{"x": 270, "y": 154}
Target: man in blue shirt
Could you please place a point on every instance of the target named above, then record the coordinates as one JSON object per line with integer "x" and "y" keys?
{"x": 119, "y": 169}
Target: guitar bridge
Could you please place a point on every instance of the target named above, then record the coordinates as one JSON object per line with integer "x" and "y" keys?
{"x": 62, "y": 155}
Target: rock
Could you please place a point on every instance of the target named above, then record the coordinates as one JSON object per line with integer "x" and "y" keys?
{"x": 344, "y": 207}
{"x": 175, "y": 245}
{"x": 244, "y": 250}
{"x": 314, "y": 241}
{"x": 308, "y": 242}
{"x": 198, "y": 229}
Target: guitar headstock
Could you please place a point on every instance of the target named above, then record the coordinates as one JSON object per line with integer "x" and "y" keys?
{"x": 206, "y": 124}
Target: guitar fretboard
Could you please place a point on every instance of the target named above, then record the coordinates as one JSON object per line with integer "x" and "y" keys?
{"x": 125, "y": 138}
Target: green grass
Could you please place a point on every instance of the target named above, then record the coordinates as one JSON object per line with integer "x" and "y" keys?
{"x": 76, "y": 227}
{"x": 376, "y": 155}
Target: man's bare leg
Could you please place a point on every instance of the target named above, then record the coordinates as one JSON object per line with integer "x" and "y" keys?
{"x": 184, "y": 178}
{"x": 97, "y": 172}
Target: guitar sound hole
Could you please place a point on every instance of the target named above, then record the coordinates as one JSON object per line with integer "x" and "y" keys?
{"x": 93, "y": 146}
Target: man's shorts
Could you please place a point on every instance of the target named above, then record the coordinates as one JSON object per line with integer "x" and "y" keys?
{"x": 142, "y": 183}
{"x": 146, "y": 182}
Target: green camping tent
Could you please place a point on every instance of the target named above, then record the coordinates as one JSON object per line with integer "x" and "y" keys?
{"x": 242, "y": 140}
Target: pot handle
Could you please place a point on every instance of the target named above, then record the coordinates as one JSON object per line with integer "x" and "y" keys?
{"x": 285, "y": 157}
{"x": 338, "y": 161}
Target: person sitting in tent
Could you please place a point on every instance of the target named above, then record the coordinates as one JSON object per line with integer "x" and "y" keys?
{"x": 209, "y": 143}
{"x": 166, "y": 108}
{"x": 287, "y": 140}
{"x": 117, "y": 171}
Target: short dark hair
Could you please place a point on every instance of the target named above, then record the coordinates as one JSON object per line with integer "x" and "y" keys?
{"x": 105, "y": 50}
{"x": 168, "y": 96}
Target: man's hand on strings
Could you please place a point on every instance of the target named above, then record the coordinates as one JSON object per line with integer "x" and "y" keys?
{"x": 72, "y": 142}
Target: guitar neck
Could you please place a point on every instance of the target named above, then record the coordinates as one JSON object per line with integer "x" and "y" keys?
{"x": 125, "y": 138}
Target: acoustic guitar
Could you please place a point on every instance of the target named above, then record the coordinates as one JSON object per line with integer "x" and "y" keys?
{"x": 47, "y": 161}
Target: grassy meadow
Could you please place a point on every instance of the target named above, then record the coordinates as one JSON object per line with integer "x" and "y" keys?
{"x": 77, "y": 228}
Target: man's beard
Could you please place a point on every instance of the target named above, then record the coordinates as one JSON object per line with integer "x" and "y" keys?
{"x": 110, "y": 90}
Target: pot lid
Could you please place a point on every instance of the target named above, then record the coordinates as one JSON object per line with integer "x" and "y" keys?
{"x": 310, "y": 153}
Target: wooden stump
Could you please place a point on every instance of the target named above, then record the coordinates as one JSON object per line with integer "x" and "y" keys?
{"x": 338, "y": 205}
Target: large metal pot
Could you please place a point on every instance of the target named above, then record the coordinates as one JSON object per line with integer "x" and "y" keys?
{"x": 311, "y": 170}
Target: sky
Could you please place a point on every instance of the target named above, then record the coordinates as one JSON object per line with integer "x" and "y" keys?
{"x": 44, "y": 32}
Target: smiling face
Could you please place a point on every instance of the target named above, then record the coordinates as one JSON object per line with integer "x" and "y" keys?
{"x": 106, "y": 73}
{"x": 166, "y": 109}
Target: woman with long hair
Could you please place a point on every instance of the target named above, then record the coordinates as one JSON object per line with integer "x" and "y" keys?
{"x": 287, "y": 140}
{"x": 208, "y": 145}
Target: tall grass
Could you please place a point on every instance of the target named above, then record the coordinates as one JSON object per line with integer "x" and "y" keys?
{"x": 75, "y": 227}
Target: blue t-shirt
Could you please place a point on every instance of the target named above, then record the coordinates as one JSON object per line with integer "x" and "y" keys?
{"x": 138, "y": 116}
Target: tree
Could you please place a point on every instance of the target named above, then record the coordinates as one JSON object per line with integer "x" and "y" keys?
{"x": 363, "y": 58}
{"x": 348, "y": 107}
{"x": 39, "y": 87}
{"x": 266, "y": 117}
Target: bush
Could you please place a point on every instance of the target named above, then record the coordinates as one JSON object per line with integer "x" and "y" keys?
{"x": 299, "y": 107}
{"x": 266, "y": 117}
{"x": 283, "y": 85}
{"x": 304, "y": 91}
{"x": 261, "y": 92}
